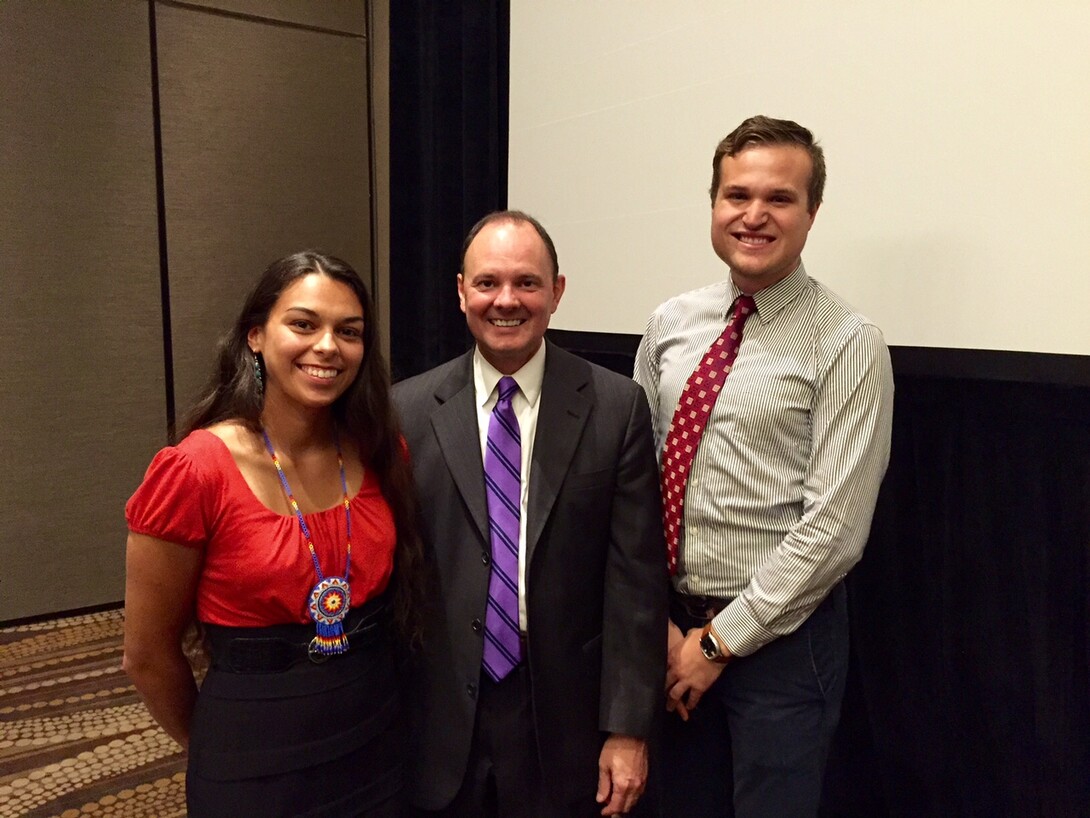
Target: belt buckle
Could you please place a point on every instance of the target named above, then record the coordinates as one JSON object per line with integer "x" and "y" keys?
{"x": 315, "y": 655}
{"x": 698, "y": 606}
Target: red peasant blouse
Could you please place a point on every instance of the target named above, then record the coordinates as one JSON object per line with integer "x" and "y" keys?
{"x": 257, "y": 569}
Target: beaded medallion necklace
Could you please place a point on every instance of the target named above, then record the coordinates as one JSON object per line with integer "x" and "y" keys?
{"x": 330, "y": 598}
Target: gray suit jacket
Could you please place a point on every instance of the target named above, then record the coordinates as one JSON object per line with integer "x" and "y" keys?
{"x": 596, "y": 582}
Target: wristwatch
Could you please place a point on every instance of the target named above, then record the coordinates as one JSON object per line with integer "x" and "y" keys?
{"x": 709, "y": 646}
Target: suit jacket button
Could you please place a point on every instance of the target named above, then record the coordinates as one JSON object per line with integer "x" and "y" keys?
{"x": 471, "y": 690}
{"x": 485, "y": 558}
{"x": 476, "y": 625}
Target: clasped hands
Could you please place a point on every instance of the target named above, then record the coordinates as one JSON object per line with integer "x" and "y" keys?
{"x": 688, "y": 672}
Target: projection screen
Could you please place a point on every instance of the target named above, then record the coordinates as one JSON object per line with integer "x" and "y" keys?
{"x": 957, "y": 211}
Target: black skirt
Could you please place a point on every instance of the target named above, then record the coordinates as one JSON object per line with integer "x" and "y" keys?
{"x": 305, "y": 740}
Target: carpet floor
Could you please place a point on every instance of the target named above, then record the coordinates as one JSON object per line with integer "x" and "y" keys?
{"x": 75, "y": 740}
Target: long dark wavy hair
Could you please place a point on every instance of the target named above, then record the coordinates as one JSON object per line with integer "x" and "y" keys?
{"x": 364, "y": 413}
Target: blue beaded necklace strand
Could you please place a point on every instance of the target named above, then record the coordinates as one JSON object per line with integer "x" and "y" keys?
{"x": 330, "y": 599}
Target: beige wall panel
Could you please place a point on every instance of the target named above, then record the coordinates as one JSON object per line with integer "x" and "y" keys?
{"x": 334, "y": 15}
{"x": 265, "y": 151}
{"x": 81, "y": 375}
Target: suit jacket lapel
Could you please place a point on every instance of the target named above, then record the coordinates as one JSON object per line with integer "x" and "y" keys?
{"x": 560, "y": 420}
{"x": 455, "y": 424}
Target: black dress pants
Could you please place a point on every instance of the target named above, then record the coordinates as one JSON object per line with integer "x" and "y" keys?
{"x": 503, "y": 777}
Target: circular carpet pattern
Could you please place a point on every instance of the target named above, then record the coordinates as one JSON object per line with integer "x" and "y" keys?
{"x": 75, "y": 740}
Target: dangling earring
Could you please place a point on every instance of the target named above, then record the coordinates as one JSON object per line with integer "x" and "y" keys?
{"x": 259, "y": 376}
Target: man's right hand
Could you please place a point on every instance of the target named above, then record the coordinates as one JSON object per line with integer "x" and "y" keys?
{"x": 689, "y": 673}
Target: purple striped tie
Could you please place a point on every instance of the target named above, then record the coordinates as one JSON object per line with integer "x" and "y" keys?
{"x": 503, "y": 488}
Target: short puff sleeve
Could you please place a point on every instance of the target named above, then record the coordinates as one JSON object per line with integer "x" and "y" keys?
{"x": 169, "y": 504}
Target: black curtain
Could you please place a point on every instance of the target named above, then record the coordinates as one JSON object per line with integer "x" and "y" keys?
{"x": 969, "y": 685}
{"x": 448, "y": 163}
{"x": 970, "y": 611}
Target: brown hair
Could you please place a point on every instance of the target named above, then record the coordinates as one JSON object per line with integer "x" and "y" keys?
{"x": 763, "y": 130}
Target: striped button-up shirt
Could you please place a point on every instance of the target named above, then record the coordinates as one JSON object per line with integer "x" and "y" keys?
{"x": 782, "y": 490}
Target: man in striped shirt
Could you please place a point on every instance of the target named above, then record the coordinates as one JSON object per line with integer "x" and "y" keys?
{"x": 779, "y": 496}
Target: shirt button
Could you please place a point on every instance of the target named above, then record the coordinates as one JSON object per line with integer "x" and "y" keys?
{"x": 476, "y": 625}
{"x": 471, "y": 690}
{"x": 694, "y": 577}
{"x": 485, "y": 558}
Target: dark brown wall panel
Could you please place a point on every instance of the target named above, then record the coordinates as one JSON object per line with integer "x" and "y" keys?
{"x": 265, "y": 151}
{"x": 347, "y": 16}
{"x": 81, "y": 374}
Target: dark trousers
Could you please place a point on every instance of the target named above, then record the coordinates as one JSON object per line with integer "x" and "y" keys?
{"x": 757, "y": 743}
{"x": 503, "y": 777}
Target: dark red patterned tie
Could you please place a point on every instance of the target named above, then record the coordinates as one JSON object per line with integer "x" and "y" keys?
{"x": 691, "y": 416}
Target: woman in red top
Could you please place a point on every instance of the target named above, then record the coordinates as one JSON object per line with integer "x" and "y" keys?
{"x": 282, "y": 523}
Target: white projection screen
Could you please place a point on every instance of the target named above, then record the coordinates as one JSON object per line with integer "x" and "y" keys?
{"x": 957, "y": 137}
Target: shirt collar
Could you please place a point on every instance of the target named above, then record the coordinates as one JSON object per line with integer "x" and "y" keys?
{"x": 772, "y": 299}
{"x": 529, "y": 377}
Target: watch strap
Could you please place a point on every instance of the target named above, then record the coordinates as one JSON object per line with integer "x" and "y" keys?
{"x": 710, "y": 647}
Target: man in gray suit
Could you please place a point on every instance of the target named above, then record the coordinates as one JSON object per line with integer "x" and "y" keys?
{"x": 542, "y": 668}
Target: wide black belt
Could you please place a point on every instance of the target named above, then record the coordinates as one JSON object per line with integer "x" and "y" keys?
{"x": 277, "y": 648}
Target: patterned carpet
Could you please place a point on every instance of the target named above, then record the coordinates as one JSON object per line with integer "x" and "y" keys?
{"x": 75, "y": 740}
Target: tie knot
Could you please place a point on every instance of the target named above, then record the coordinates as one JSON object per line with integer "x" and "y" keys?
{"x": 744, "y": 306}
{"x": 507, "y": 387}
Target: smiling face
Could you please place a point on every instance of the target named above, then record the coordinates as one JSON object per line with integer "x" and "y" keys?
{"x": 312, "y": 342}
{"x": 508, "y": 293}
{"x": 760, "y": 215}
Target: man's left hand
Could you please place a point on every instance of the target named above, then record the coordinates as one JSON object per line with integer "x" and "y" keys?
{"x": 689, "y": 674}
{"x": 622, "y": 773}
